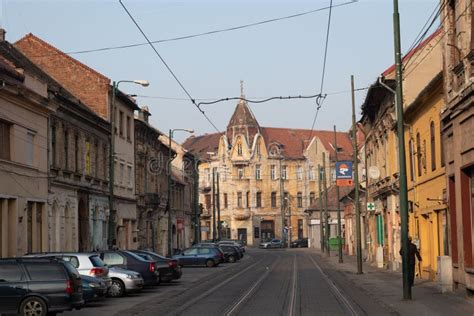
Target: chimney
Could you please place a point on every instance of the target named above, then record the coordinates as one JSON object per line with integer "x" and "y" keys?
{"x": 2, "y": 34}
{"x": 144, "y": 114}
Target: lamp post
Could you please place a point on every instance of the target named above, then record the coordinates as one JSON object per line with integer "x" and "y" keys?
{"x": 168, "y": 203}
{"x": 112, "y": 214}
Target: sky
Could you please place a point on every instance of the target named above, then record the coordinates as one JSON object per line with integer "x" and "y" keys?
{"x": 275, "y": 59}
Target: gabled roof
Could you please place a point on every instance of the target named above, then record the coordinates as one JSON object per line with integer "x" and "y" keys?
{"x": 293, "y": 142}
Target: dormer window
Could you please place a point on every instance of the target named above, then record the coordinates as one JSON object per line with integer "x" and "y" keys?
{"x": 257, "y": 149}
{"x": 239, "y": 149}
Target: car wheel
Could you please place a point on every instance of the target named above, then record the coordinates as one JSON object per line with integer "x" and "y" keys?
{"x": 33, "y": 306}
{"x": 117, "y": 289}
{"x": 209, "y": 263}
{"x": 231, "y": 259}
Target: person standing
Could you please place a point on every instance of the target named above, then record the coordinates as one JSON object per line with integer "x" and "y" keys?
{"x": 412, "y": 252}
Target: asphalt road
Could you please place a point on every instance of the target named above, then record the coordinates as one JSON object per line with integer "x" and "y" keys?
{"x": 266, "y": 282}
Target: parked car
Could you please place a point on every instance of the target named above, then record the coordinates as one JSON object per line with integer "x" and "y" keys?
{"x": 208, "y": 256}
{"x": 272, "y": 243}
{"x": 170, "y": 271}
{"x": 211, "y": 245}
{"x": 37, "y": 286}
{"x": 231, "y": 253}
{"x": 128, "y": 260}
{"x": 299, "y": 243}
{"x": 237, "y": 243}
{"x": 124, "y": 281}
{"x": 93, "y": 288}
{"x": 85, "y": 263}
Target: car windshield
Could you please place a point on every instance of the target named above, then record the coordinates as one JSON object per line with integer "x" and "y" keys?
{"x": 136, "y": 256}
{"x": 96, "y": 261}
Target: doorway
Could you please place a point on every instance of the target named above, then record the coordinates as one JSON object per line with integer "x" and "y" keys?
{"x": 83, "y": 212}
{"x": 267, "y": 229}
{"x": 242, "y": 234}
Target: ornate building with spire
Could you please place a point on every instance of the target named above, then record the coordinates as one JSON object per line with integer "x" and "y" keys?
{"x": 264, "y": 177}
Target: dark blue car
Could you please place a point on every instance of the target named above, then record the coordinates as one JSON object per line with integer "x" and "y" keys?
{"x": 93, "y": 288}
{"x": 207, "y": 256}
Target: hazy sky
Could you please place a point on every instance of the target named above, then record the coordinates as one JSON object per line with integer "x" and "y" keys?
{"x": 276, "y": 59}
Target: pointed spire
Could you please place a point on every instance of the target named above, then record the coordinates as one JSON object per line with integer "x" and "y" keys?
{"x": 242, "y": 95}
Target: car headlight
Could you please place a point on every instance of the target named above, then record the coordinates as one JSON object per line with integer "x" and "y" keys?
{"x": 94, "y": 285}
{"x": 130, "y": 276}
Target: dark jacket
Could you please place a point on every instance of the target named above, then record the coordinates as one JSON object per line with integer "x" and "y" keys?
{"x": 412, "y": 252}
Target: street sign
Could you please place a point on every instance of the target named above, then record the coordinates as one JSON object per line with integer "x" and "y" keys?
{"x": 344, "y": 173}
{"x": 371, "y": 207}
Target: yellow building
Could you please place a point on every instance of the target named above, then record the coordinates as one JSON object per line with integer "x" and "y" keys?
{"x": 426, "y": 176}
{"x": 267, "y": 176}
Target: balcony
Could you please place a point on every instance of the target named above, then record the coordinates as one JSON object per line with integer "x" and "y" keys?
{"x": 241, "y": 215}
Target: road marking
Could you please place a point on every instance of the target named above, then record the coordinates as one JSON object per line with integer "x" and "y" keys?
{"x": 291, "y": 308}
{"x": 208, "y": 292}
{"x": 335, "y": 290}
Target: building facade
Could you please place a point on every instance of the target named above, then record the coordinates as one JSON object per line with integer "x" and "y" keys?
{"x": 457, "y": 124}
{"x": 267, "y": 177}
{"x": 95, "y": 91}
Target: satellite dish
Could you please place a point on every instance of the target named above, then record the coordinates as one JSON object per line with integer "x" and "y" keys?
{"x": 374, "y": 172}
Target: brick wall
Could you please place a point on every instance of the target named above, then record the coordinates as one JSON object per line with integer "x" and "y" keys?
{"x": 83, "y": 82}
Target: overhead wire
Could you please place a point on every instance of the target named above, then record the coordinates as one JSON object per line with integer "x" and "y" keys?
{"x": 207, "y": 33}
{"x": 193, "y": 101}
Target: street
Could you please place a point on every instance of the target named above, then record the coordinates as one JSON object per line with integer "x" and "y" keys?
{"x": 264, "y": 282}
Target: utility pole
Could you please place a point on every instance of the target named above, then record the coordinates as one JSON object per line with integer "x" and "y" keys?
{"x": 339, "y": 227}
{"x": 218, "y": 198}
{"x": 214, "y": 228}
{"x": 356, "y": 180}
{"x": 112, "y": 211}
{"x": 282, "y": 202}
{"x": 321, "y": 221}
{"x": 401, "y": 152}
{"x": 197, "y": 220}
{"x": 326, "y": 213}
{"x": 168, "y": 204}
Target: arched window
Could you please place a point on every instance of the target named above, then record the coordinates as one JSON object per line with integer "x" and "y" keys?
{"x": 418, "y": 153}
{"x": 239, "y": 149}
{"x": 433, "y": 146}
{"x": 410, "y": 149}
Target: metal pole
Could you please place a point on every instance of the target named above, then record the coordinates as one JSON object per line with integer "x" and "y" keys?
{"x": 218, "y": 198}
{"x": 112, "y": 213}
{"x": 326, "y": 213}
{"x": 282, "y": 204}
{"x": 356, "y": 181}
{"x": 321, "y": 221}
{"x": 339, "y": 226}
{"x": 197, "y": 220}
{"x": 289, "y": 223}
{"x": 168, "y": 204}
{"x": 401, "y": 153}
{"x": 214, "y": 228}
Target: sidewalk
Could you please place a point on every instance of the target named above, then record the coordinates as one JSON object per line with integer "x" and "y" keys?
{"x": 385, "y": 287}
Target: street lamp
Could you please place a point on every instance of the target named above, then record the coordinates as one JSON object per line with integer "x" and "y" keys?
{"x": 112, "y": 214}
{"x": 168, "y": 204}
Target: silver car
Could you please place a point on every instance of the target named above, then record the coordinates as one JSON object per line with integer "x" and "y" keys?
{"x": 86, "y": 264}
{"x": 124, "y": 281}
{"x": 273, "y": 243}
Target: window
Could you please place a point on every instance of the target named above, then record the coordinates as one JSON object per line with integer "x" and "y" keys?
{"x": 4, "y": 140}
{"x": 111, "y": 258}
{"x": 248, "y": 199}
{"x": 311, "y": 198}
{"x": 30, "y": 152}
{"x": 273, "y": 172}
{"x": 274, "y": 199}
{"x": 284, "y": 172}
{"x": 441, "y": 144}
{"x": 53, "y": 145}
{"x": 239, "y": 149}
{"x": 66, "y": 150}
{"x": 226, "y": 201}
{"x": 433, "y": 146}
{"x": 299, "y": 173}
{"x": 418, "y": 153}
{"x": 257, "y": 172}
{"x": 45, "y": 271}
{"x": 88, "y": 157}
{"x": 96, "y": 159}
{"x": 410, "y": 150}
{"x": 10, "y": 272}
{"x": 286, "y": 198}
{"x": 207, "y": 172}
{"x": 190, "y": 252}
{"x": 76, "y": 153}
{"x": 129, "y": 176}
{"x": 299, "y": 199}
{"x": 240, "y": 172}
{"x": 74, "y": 261}
{"x": 204, "y": 251}
{"x": 121, "y": 123}
{"x": 259, "y": 199}
{"x": 129, "y": 131}
{"x": 104, "y": 161}
{"x": 207, "y": 201}
{"x": 122, "y": 167}
{"x": 258, "y": 148}
{"x": 239, "y": 199}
